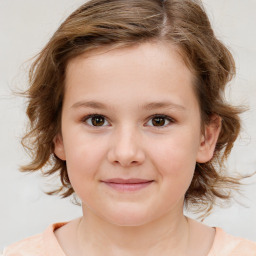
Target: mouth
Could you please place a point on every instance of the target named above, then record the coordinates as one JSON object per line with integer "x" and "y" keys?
{"x": 123, "y": 185}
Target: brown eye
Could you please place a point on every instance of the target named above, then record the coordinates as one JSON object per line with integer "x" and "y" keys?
{"x": 96, "y": 120}
{"x": 160, "y": 121}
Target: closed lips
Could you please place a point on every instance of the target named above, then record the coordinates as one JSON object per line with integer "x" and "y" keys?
{"x": 127, "y": 185}
{"x": 127, "y": 181}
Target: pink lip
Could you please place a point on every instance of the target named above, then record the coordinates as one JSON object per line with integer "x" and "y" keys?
{"x": 127, "y": 184}
{"x": 126, "y": 181}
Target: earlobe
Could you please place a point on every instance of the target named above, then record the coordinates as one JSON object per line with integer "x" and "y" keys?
{"x": 209, "y": 139}
{"x": 59, "y": 150}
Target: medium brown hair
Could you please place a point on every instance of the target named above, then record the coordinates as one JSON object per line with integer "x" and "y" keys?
{"x": 122, "y": 23}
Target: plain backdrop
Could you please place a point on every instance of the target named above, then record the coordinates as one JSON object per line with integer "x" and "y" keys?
{"x": 25, "y": 27}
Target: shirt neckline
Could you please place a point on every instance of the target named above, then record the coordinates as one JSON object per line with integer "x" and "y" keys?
{"x": 52, "y": 244}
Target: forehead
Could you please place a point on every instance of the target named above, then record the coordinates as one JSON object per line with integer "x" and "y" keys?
{"x": 153, "y": 53}
{"x": 148, "y": 70}
{"x": 149, "y": 48}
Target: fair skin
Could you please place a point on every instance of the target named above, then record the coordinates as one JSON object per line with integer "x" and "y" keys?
{"x": 147, "y": 127}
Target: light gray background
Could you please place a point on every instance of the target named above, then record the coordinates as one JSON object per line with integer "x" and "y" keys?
{"x": 25, "y": 27}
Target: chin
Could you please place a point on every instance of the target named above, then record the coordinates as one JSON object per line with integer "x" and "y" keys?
{"x": 128, "y": 217}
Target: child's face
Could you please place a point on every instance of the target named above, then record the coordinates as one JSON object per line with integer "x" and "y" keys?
{"x": 148, "y": 127}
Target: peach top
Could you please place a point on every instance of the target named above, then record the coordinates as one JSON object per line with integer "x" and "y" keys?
{"x": 46, "y": 244}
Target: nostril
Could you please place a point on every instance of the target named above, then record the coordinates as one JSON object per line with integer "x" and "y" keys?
{"x": 125, "y": 154}
{"x": 125, "y": 163}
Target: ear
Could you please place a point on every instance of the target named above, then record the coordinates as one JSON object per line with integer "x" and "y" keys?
{"x": 209, "y": 139}
{"x": 59, "y": 150}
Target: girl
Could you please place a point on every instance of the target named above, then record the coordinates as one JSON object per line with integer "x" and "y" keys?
{"x": 126, "y": 105}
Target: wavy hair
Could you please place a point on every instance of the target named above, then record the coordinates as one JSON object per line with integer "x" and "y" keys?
{"x": 122, "y": 23}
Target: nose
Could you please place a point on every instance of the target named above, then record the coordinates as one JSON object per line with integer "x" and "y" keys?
{"x": 126, "y": 148}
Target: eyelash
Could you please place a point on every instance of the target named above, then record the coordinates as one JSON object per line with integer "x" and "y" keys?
{"x": 165, "y": 117}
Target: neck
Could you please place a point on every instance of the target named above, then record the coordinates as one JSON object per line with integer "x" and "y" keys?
{"x": 170, "y": 233}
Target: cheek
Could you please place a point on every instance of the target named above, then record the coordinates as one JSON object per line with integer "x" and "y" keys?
{"x": 175, "y": 158}
{"x": 84, "y": 156}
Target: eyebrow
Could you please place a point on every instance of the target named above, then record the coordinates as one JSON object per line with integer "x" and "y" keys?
{"x": 164, "y": 104}
{"x": 89, "y": 104}
{"x": 146, "y": 106}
